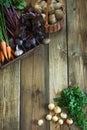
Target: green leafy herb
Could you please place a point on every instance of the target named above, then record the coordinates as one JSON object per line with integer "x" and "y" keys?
{"x": 19, "y": 4}
{"x": 74, "y": 101}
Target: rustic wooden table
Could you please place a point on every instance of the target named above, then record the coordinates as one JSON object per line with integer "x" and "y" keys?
{"x": 27, "y": 86}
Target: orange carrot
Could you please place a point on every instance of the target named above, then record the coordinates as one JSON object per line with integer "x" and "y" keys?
{"x": 2, "y": 56}
{"x": 3, "y": 46}
{"x": 8, "y": 48}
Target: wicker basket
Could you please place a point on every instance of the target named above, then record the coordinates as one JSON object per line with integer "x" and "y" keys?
{"x": 57, "y": 25}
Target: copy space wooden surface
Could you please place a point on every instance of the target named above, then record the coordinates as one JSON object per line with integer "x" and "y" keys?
{"x": 27, "y": 86}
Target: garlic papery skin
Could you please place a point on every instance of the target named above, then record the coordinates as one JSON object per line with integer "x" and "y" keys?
{"x": 51, "y": 106}
{"x": 55, "y": 118}
{"x": 48, "y": 117}
{"x": 63, "y": 115}
{"x": 46, "y": 41}
{"x": 57, "y": 110}
{"x": 40, "y": 122}
{"x": 18, "y": 52}
{"x": 60, "y": 122}
{"x": 69, "y": 121}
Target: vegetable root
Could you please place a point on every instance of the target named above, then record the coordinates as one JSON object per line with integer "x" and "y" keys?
{"x": 3, "y": 46}
{"x": 8, "y": 48}
{"x": 2, "y": 57}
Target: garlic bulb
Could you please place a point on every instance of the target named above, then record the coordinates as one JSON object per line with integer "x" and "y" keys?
{"x": 55, "y": 118}
{"x": 69, "y": 121}
{"x": 49, "y": 117}
{"x": 40, "y": 122}
{"x": 60, "y": 121}
{"x": 63, "y": 115}
{"x": 57, "y": 109}
{"x": 51, "y": 106}
{"x": 18, "y": 52}
{"x": 46, "y": 41}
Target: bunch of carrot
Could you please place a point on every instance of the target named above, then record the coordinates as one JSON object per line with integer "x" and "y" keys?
{"x": 5, "y": 49}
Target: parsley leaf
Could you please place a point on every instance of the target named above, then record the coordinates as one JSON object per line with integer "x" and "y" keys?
{"x": 74, "y": 101}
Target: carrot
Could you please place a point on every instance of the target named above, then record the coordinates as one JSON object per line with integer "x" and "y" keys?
{"x": 3, "y": 46}
{"x": 8, "y": 48}
{"x": 2, "y": 56}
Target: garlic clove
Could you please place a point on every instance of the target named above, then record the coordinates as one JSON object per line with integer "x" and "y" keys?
{"x": 48, "y": 117}
{"x": 51, "y": 106}
{"x": 18, "y": 52}
{"x": 40, "y": 122}
{"x": 57, "y": 110}
{"x": 55, "y": 118}
{"x": 63, "y": 115}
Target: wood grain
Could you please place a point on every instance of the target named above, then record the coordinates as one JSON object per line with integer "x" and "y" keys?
{"x": 77, "y": 43}
{"x": 10, "y": 95}
{"x": 34, "y": 92}
{"x": 57, "y": 67}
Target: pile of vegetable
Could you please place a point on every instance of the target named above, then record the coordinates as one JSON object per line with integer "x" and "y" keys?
{"x": 18, "y": 34}
{"x": 68, "y": 109}
{"x": 5, "y": 49}
{"x": 73, "y": 100}
{"x": 56, "y": 115}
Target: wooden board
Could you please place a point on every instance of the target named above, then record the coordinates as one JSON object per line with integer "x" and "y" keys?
{"x": 58, "y": 79}
{"x": 27, "y": 86}
{"x": 10, "y": 97}
{"x": 77, "y": 43}
{"x": 34, "y": 89}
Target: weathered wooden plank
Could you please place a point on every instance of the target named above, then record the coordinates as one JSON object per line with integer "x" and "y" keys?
{"x": 57, "y": 67}
{"x": 77, "y": 43}
{"x": 34, "y": 91}
{"x": 1, "y": 99}
{"x": 10, "y": 99}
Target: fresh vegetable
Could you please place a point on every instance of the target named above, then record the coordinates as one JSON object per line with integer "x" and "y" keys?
{"x": 73, "y": 100}
{"x": 12, "y": 21}
{"x": 69, "y": 121}
{"x": 8, "y": 48}
{"x": 60, "y": 121}
{"x": 5, "y": 3}
{"x": 4, "y": 41}
{"x": 55, "y": 118}
{"x": 48, "y": 117}
{"x": 19, "y": 4}
{"x": 63, "y": 115}
{"x": 2, "y": 57}
{"x": 57, "y": 110}
{"x": 40, "y": 122}
{"x": 51, "y": 106}
{"x": 3, "y": 46}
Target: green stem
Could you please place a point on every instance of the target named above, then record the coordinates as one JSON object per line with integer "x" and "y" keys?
{"x": 3, "y": 25}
